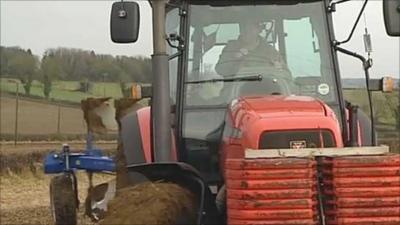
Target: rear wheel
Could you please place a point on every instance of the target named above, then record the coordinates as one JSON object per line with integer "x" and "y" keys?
{"x": 63, "y": 200}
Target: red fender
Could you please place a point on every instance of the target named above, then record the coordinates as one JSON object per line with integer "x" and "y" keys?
{"x": 144, "y": 116}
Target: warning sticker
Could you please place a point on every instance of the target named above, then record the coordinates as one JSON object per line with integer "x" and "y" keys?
{"x": 323, "y": 89}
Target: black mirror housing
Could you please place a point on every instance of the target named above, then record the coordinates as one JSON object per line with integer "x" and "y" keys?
{"x": 124, "y": 22}
{"x": 391, "y": 15}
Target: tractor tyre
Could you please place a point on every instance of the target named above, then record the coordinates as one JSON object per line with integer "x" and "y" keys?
{"x": 63, "y": 200}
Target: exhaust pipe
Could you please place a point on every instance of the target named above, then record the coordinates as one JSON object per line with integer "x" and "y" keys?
{"x": 160, "y": 106}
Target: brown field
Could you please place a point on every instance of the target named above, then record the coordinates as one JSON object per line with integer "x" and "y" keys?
{"x": 45, "y": 146}
{"x": 35, "y": 117}
{"x": 24, "y": 195}
{"x": 28, "y": 157}
{"x": 25, "y": 198}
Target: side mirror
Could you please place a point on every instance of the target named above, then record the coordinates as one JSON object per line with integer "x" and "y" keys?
{"x": 124, "y": 23}
{"x": 391, "y": 15}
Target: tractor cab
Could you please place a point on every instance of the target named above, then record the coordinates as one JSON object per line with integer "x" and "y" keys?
{"x": 208, "y": 54}
{"x": 259, "y": 133}
{"x": 221, "y": 50}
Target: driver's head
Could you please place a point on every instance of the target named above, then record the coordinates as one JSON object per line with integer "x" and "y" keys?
{"x": 250, "y": 28}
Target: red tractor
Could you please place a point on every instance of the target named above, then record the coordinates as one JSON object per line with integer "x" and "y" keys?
{"x": 248, "y": 113}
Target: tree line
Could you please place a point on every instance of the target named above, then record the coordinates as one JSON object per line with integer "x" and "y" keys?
{"x": 70, "y": 64}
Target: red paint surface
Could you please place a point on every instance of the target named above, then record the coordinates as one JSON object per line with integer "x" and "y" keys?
{"x": 272, "y": 222}
{"x": 269, "y": 174}
{"x": 362, "y": 190}
{"x": 271, "y": 191}
{"x": 282, "y": 214}
{"x": 356, "y": 202}
{"x": 272, "y": 204}
{"x": 305, "y": 193}
{"x": 144, "y": 123}
{"x": 365, "y": 221}
{"x": 251, "y": 116}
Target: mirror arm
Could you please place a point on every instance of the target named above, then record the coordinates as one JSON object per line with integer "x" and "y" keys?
{"x": 366, "y": 65}
{"x": 332, "y": 5}
{"x": 170, "y": 43}
{"x": 176, "y": 37}
{"x": 174, "y": 55}
{"x": 173, "y": 5}
{"x": 355, "y": 24}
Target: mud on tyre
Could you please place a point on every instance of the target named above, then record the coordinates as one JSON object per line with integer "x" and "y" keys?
{"x": 63, "y": 201}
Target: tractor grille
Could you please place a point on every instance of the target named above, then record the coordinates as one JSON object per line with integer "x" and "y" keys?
{"x": 296, "y": 139}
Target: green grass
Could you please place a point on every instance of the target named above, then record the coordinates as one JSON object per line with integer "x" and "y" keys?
{"x": 66, "y": 90}
{"x": 385, "y": 104}
{"x": 111, "y": 89}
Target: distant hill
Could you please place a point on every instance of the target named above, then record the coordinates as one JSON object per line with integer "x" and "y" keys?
{"x": 360, "y": 83}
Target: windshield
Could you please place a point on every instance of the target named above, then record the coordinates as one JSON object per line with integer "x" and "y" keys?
{"x": 285, "y": 44}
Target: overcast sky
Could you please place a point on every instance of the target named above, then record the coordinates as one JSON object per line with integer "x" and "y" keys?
{"x": 40, "y": 25}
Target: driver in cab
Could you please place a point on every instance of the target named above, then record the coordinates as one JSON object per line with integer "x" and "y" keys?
{"x": 249, "y": 50}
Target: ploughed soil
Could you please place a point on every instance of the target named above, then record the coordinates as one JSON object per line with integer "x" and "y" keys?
{"x": 24, "y": 188}
{"x": 24, "y": 192}
{"x": 156, "y": 203}
{"x": 151, "y": 203}
{"x": 25, "y": 199}
{"x": 29, "y": 156}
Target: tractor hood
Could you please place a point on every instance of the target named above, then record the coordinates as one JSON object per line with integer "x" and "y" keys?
{"x": 284, "y": 106}
{"x": 283, "y": 117}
